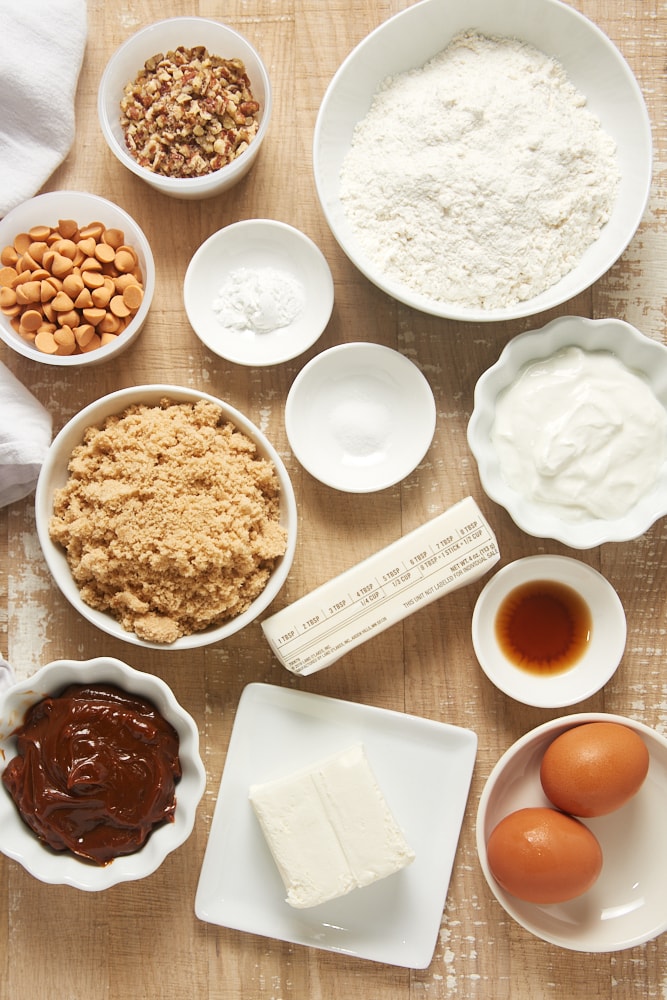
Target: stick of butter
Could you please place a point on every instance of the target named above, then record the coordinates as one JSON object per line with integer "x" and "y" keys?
{"x": 453, "y": 549}
{"x": 329, "y": 828}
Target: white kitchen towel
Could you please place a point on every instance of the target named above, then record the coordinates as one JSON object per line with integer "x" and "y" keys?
{"x": 41, "y": 51}
{"x": 25, "y": 436}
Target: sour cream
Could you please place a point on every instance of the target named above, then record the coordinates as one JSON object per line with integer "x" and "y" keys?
{"x": 580, "y": 433}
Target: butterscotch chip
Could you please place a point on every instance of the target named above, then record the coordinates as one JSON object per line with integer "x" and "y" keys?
{"x": 107, "y": 337}
{"x": 31, "y": 320}
{"x": 105, "y": 253}
{"x": 84, "y": 299}
{"x": 37, "y": 250}
{"x": 7, "y": 297}
{"x": 68, "y": 228}
{"x": 66, "y": 248}
{"x": 93, "y": 229}
{"x": 133, "y": 296}
{"x": 64, "y": 336}
{"x": 84, "y": 334}
{"x": 7, "y": 275}
{"x": 110, "y": 324}
{"x": 8, "y": 256}
{"x": 22, "y": 242}
{"x": 40, "y": 233}
{"x": 102, "y": 296}
{"x": 114, "y": 237}
{"x": 28, "y": 292}
{"x": 170, "y": 519}
{"x": 47, "y": 290}
{"x": 87, "y": 246}
{"x": 91, "y": 278}
{"x": 45, "y": 342}
{"x": 73, "y": 285}
{"x": 93, "y": 344}
{"x": 94, "y": 315}
{"x": 119, "y": 307}
{"x": 125, "y": 261}
{"x": 69, "y": 318}
{"x": 65, "y": 350}
{"x": 61, "y": 265}
{"x": 62, "y": 302}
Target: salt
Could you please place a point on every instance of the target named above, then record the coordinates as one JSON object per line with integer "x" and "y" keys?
{"x": 258, "y": 300}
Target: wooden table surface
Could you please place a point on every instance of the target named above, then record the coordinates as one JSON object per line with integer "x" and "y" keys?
{"x": 143, "y": 939}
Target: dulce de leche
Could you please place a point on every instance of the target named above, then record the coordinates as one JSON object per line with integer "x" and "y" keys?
{"x": 95, "y": 772}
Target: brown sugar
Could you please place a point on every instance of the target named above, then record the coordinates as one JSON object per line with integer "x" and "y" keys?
{"x": 170, "y": 519}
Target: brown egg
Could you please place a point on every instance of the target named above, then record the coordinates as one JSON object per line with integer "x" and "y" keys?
{"x": 543, "y": 856}
{"x": 593, "y": 769}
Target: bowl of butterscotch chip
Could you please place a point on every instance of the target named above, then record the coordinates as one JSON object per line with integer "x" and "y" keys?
{"x": 76, "y": 279}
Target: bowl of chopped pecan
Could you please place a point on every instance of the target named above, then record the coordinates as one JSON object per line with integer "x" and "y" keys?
{"x": 185, "y": 104}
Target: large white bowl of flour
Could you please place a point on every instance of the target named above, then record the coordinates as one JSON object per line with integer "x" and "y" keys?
{"x": 484, "y": 178}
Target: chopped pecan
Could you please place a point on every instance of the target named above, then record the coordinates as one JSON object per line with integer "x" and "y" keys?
{"x": 189, "y": 113}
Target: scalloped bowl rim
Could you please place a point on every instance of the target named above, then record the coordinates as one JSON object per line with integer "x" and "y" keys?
{"x": 21, "y": 844}
{"x": 407, "y": 40}
{"x": 638, "y": 352}
{"x": 55, "y": 205}
{"x": 53, "y": 475}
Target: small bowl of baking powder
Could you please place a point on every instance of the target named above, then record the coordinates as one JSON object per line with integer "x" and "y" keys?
{"x": 258, "y": 292}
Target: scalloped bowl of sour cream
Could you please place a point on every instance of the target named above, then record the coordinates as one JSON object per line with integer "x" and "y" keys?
{"x": 569, "y": 430}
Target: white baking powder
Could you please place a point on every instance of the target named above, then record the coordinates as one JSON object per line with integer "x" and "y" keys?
{"x": 258, "y": 300}
{"x": 480, "y": 178}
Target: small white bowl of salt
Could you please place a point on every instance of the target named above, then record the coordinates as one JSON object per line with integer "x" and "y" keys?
{"x": 258, "y": 292}
{"x": 360, "y": 417}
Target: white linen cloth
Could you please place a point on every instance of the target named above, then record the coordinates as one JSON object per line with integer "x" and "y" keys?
{"x": 25, "y": 436}
{"x": 41, "y": 50}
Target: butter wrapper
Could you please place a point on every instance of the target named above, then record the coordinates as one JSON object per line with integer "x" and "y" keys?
{"x": 453, "y": 549}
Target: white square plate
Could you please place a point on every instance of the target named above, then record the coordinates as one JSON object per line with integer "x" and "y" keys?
{"x": 424, "y": 769}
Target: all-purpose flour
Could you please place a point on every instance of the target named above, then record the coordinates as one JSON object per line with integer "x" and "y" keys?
{"x": 480, "y": 178}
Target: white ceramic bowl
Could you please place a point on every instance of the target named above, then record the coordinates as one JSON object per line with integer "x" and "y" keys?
{"x": 129, "y": 59}
{"x": 360, "y": 417}
{"x": 253, "y": 247}
{"x": 54, "y": 475}
{"x": 48, "y": 209}
{"x": 602, "y": 652}
{"x": 626, "y": 906}
{"x": 20, "y": 843}
{"x": 410, "y": 39}
{"x": 637, "y": 352}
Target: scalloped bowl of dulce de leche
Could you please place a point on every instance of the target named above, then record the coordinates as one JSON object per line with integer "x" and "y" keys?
{"x": 491, "y": 197}
{"x": 76, "y": 724}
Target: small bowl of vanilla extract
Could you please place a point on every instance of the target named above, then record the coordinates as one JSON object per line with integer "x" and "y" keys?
{"x": 548, "y": 630}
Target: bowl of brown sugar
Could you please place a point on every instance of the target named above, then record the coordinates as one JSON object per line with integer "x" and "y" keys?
{"x": 166, "y": 517}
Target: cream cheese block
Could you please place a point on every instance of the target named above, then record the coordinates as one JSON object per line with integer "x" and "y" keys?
{"x": 329, "y": 828}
